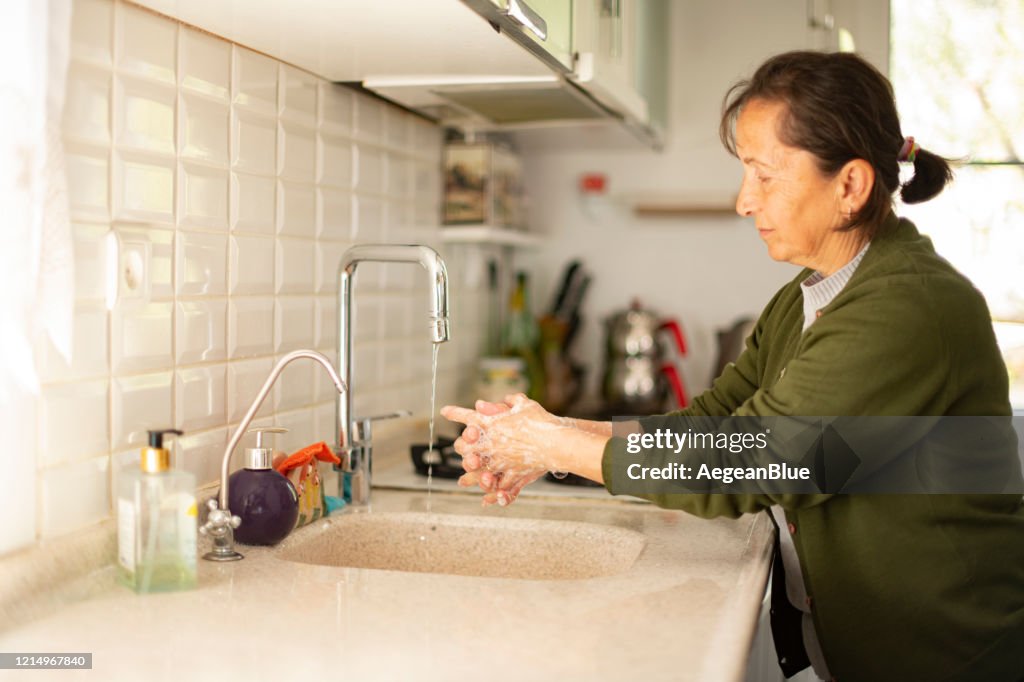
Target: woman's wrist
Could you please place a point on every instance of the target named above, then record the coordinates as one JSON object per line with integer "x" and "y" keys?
{"x": 580, "y": 452}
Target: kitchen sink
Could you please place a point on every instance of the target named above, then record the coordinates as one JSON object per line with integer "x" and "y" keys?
{"x": 482, "y": 546}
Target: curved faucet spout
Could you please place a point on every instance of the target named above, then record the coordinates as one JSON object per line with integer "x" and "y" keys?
{"x": 355, "y": 454}
{"x": 225, "y": 465}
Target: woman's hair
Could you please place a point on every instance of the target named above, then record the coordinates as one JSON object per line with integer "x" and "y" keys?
{"x": 839, "y": 108}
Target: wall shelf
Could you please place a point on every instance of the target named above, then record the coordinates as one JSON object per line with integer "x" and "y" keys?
{"x": 487, "y": 234}
{"x": 683, "y": 209}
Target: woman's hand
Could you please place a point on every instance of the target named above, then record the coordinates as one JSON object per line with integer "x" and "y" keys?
{"x": 506, "y": 446}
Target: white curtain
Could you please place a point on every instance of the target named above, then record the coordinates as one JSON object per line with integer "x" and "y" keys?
{"x": 36, "y": 256}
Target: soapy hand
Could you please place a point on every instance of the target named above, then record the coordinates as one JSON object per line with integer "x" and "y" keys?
{"x": 505, "y": 446}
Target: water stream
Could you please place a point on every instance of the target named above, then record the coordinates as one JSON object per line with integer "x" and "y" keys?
{"x": 430, "y": 456}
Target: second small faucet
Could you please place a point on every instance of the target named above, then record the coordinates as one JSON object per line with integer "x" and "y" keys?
{"x": 354, "y": 445}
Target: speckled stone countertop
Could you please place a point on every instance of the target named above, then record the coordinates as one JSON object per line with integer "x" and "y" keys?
{"x": 684, "y": 609}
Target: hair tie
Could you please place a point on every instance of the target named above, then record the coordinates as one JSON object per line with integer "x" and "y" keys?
{"x": 908, "y": 152}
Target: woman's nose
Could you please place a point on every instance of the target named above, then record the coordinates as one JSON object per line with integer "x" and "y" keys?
{"x": 745, "y": 200}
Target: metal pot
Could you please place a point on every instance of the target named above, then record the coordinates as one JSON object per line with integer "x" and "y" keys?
{"x": 638, "y": 377}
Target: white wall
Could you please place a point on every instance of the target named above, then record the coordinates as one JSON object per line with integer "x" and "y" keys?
{"x": 242, "y": 180}
{"x": 705, "y": 271}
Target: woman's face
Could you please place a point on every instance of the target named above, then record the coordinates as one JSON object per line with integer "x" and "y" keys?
{"x": 795, "y": 207}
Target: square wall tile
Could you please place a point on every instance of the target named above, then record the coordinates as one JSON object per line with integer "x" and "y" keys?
{"x": 73, "y": 421}
{"x": 334, "y": 214}
{"x": 369, "y": 220}
{"x": 250, "y": 327}
{"x": 87, "y": 103}
{"x": 397, "y": 317}
{"x": 141, "y": 337}
{"x": 428, "y": 141}
{"x": 140, "y": 403}
{"x": 88, "y": 350}
{"x": 427, "y": 185}
{"x": 334, "y": 165}
{"x": 251, "y": 266}
{"x": 90, "y": 260}
{"x": 74, "y": 495}
{"x": 201, "y": 454}
{"x": 154, "y": 248}
{"x": 88, "y": 170}
{"x": 204, "y": 129}
{"x": 326, "y": 331}
{"x": 328, "y": 260}
{"x": 300, "y": 430}
{"x": 200, "y": 331}
{"x": 399, "y": 178}
{"x": 92, "y": 31}
{"x": 144, "y": 115}
{"x": 398, "y": 129}
{"x": 298, "y": 95}
{"x": 143, "y": 187}
{"x": 295, "y": 387}
{"x": 253, "y": 203}
{"x": 369, "y": 119}
{"x": 337, "y": 107}
{"x": 293, "y": 323}
{"x": 199, "y": 397}
{"x": 146, "y": 43}
{"x": 203, "y": 197}
{"x": 369, "y": 169}
{"x": 254, "y": 81}
{"x": 296, "y": 209}
{"x": 367, "y": 316}
{"x": 201, "y": 266}
{"x": 205, "y": 63}
{"x": 365, "y": 367}
{"x": 296, "y": 153}
{"x": 295, "y": 266}
{"x": 245, "y": 379}
{"x": 324, "y": 424}
{"x": 254, "y": 142}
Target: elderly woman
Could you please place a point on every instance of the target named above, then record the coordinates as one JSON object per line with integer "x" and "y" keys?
{"x": 865, "y": 587}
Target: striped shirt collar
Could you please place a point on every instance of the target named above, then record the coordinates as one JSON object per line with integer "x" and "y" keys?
{"x": 819, "y": 290}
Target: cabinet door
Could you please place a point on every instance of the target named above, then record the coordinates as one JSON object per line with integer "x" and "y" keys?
{"x": 557, "y": 17}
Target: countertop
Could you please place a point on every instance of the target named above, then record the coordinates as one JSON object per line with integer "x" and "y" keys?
{"x": 685, "y": 609}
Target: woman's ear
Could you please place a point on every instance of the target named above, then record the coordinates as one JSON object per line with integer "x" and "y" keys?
{"x": 855, "y": 181}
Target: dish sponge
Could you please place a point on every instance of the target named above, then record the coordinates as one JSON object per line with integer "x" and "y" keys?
{"x": 301, "y": 468}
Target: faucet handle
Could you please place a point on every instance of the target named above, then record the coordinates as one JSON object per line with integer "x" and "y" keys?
{"x": 364, "y": 432}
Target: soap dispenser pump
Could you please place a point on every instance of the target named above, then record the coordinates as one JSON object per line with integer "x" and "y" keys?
{"x": 156, "y": 522}
{"x": 263, "y": 499}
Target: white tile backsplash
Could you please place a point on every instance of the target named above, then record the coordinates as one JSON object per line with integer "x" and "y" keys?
{"x": 144, "y": 115}
{"x": 141, "y": 337}
{"x": 237, "y": 182}
{"x": 143, "y": 187}
{"x": 140, "y": 403}
{"x": 200, "y": 399}
{"x": 204, "y": 129}
{"x": 296, "y": 209}
{"x": 251, "y": 265}
{"x": 205, "y": 64}
{"x": 74, "y": 496}
{"x": 254, "y": 142}
{"x": 200, "y": 331}
{"x": 254, "y": 81}
{"x": 73, "y": 422}
{"x": 201, "y": 264}
{"x": 203, "y": 196}
{"x": 145, "y": 43}
{"x": 253, "y": 203}
{"x": 250, "y": 327}
{"x": 295, "y": 266}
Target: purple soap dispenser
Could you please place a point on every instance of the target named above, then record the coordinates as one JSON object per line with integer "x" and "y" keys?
{"x": 265, "y": 500}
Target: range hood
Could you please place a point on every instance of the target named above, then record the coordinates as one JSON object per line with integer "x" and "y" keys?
{"x": 467, "y": 63}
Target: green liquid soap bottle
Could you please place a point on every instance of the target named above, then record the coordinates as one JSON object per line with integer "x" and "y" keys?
{"x": 156, "y": 523}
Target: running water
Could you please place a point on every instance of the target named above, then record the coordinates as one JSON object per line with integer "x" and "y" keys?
{"x": 430, "y": 457}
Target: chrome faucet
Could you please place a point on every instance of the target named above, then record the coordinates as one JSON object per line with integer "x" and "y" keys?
{"x": 355, "y": 447}
{"x": 221, "y": 523}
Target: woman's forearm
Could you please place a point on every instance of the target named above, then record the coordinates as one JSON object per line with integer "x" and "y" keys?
{"x": 580, "y": 451}
{"x": 595, "y": 427}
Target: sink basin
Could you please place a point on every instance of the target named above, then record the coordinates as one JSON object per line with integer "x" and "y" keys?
{"x": 494, "y": 547}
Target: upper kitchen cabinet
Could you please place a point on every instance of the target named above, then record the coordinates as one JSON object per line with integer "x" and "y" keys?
{"x": 480, "y": 65}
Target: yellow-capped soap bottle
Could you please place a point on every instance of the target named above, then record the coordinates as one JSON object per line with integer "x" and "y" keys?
{"x": 156, "y": 522}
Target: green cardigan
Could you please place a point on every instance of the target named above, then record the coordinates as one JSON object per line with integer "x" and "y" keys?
{"x": 908, "y": 587}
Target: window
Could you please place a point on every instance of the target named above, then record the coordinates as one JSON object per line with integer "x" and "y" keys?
{"x": 955, "y": 68}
